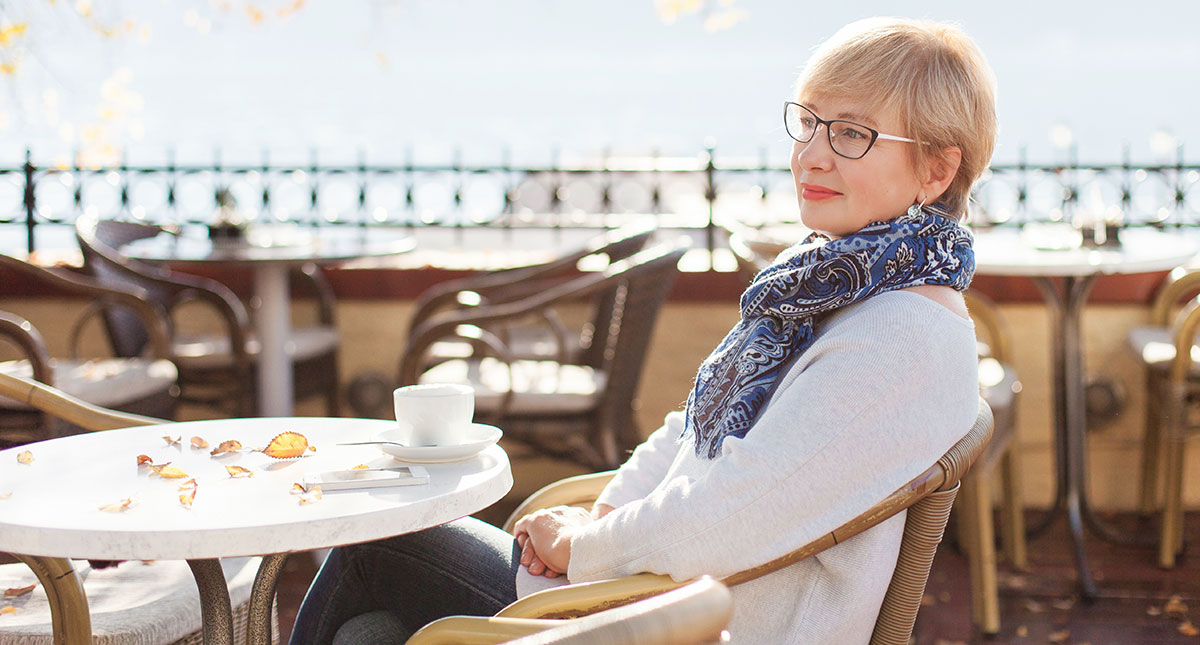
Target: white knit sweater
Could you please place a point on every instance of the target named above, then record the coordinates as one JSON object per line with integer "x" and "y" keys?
{"x": 884, "y": 391}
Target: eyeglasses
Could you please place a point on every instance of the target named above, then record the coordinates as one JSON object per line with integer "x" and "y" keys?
{"x": 846, "y": 138}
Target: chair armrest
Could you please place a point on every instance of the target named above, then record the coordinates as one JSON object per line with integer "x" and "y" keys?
{"x": 27, "y": 338}
{"x": 68, "y": 408}
{"x": 571, "y": 601}
{"x": 579, "y": 490}
{"x": 478, "y": 630}
{"x": 1180, "y": 284}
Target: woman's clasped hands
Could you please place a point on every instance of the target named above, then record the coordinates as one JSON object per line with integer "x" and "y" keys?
{"x": 545, "y": 537}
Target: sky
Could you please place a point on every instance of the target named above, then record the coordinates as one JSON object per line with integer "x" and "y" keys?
{"x": 470, "y": 79}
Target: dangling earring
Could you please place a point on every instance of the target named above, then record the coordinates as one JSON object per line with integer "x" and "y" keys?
{"x": 915, "y": 209}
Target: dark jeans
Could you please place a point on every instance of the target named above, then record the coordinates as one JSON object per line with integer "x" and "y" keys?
{"x": 393, "y": 587}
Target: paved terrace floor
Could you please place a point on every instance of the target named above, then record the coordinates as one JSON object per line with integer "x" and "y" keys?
{"x": 1038, "y": 606}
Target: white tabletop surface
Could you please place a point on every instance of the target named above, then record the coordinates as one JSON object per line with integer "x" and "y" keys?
{"x": 275, "y": 244}
{"x": 51, "y": 507}
{"x": 1049, "y": 251}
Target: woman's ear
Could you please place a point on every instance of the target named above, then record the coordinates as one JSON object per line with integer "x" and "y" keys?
{"x": 941, "y": 172}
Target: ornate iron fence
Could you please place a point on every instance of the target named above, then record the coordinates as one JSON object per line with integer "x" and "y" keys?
{"x": 697, "y": 192}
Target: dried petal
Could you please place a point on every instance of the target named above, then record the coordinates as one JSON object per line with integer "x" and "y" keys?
{"x": 286, "y": 445}
{"x": 190, "y": 487}
{"x": 199, "y": 442}
{"x": 172, "y": 441}
{"x": 1175, "y": 607}
{"x": 167, "y": 471}
{"x": 25, "y": 457}
{"x": 16, "y": 592}
{"x": 311, "y": 495}
{"x": 361, "y": 467}
{"x": 1060, "y": 636}
{"x": 226, "y": 446}
{"x": 239, "y": 471}
{"x": 117, "y": 507}
{"x": 144, "y": 459}
{"x": 1188, "y": 629}
{"x": 8, "y": 609}
{"x": 297, "y": 489}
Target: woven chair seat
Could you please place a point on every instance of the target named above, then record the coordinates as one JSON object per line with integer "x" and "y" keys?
{"x": 1156, "y": 348}
{"x": 109, "y": 383}
{"x": 538, "y": 387}
{"x": 134, "y": 603}
{"x": 212, "y": 352}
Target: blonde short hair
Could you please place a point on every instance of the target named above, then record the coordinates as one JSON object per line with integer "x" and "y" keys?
{"x": 931, "y": 74}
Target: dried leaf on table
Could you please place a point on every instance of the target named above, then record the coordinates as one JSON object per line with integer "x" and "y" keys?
{"x": 312, "y": 448}
{"x": 167, "y": 471}
{"x": 199, "y": 442}
{"x": 1059, "y": 636}
{"x": 16, "y": 592}
{"x": 286, "y": 445}
{"x": 1175, "y": 607}
{"x": 24, "y": 457}
{"x": 118, "y": 507}
{"x": 297, "y": 489}
{"x": 144, "y": 459}
{"x": 1188, "y": 629}
{"x": 172, "y": 441}
{"x": 361, "y": 467}
{"x": 8, "y": 609}
{"x": 238, "y": 471}
{"x": 226, "y": 446}
{"x": 189, "y": 495}
{"x": 311, "y": 495}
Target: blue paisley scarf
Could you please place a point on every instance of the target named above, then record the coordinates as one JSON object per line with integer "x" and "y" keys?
{"x": 921, "y": 247}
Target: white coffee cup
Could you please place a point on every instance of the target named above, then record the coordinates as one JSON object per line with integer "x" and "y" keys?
{"x": 434, "y": 414}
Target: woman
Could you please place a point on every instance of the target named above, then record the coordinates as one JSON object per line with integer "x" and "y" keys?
{"x": 852, "y": 370}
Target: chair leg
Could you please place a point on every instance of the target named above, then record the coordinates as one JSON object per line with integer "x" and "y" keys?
{"x": 1171, "y": 542}
{"x": 1151, "y": 446}
{"x": 1013, "y": 510}
{"x": 71, "y": 622}
{"x": 985, "y": 599}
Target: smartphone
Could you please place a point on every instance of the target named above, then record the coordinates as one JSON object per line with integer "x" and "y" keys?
{"x": 367, "y": 478}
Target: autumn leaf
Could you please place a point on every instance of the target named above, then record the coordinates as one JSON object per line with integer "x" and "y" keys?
{"x": 167, "y": 471}
{"x": 312, "y": 448}
{"x": 297, "y": 489}
{"x": 287, "y": 445}
{"x": 361, "y": 467}
{"x": 238, "y": 471}
{"x": 1188, "y": 629}
{"x": 144, "y": 459}
{"x": 25, "y": 457}
{"x": 226, "y": 446}
{"x": 189, "y": 495}
{"x": 311, "y": 495}
{"x": 17, "y": 592}
{"x": 1175, "y": 607}
{"x": 172, "y": 441}
{"x": 8, "y": 609}
{"x": 199, "y": 442}
{"x": 118, "y": 507}
{"x": 1060, "y": 636}
{"x": 1153, "y": 611}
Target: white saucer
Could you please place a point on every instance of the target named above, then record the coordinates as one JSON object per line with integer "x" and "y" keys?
{"x": 479, "y": 436}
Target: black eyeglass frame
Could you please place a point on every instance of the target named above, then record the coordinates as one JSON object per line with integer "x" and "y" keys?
{"x": 875, "y": 134}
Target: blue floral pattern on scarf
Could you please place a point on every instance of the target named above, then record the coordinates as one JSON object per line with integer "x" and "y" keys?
{"x": 806, "y": 281}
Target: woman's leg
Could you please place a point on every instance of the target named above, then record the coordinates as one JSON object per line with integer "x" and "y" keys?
{"x": 464, "y": 567}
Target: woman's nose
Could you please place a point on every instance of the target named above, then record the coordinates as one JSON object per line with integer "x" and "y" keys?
{"x": 817, "y": 153}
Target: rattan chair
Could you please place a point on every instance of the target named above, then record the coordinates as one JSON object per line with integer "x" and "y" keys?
{"x": 1167, "y": 349}
{"x": 132, "y": 603}
{"x": 143, "y": 384}
{"x": 927, "y": 498}
{"x": 546, "y": 337}
{"x": 583, "y": 410}
{"x": 215, "y": 369}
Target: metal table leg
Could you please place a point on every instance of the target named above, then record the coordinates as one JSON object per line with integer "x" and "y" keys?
{"x": 262, "y": 597}
{"x": 215, "y": 611}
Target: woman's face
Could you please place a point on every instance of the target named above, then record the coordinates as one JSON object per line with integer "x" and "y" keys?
{"x": 839, "y": 196}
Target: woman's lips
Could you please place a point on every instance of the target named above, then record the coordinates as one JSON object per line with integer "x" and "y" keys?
{"x": 817, "y": 193}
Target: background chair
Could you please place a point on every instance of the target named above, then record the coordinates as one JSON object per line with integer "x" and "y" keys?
{"x": 215, "y": 368}
{"x": 144, "y": 383}
{"x": 548, "y": 336}
{"x": 1167, "y": 349}
{"x": 133, "y": 603}
{"x": 927, "y": 498}
{"x": 585, "y": 409}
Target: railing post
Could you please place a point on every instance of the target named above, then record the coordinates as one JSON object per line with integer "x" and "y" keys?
{"x": 710, "y": 195}
{"x": 30, "y": 203}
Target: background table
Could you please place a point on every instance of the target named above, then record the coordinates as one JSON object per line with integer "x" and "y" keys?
{"x": 271, "y": 252}
{"x": 1065, "y": 277}
{"x": 54, "y": 508}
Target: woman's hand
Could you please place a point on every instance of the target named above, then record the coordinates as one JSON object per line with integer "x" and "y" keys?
{"x": 545, "y": 538}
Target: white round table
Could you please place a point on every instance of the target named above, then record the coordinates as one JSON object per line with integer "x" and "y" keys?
{"x": 270, "y": 252}
{"x": 54, "y": 506}
{"x": 1065, "y": 273}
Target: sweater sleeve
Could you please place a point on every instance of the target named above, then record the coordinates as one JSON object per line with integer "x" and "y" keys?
{"x": 869, "y": 406}
{"x": 647, "y": 466}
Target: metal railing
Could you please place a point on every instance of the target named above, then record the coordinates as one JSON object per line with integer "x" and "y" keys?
{"x": 698, "y": 192}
